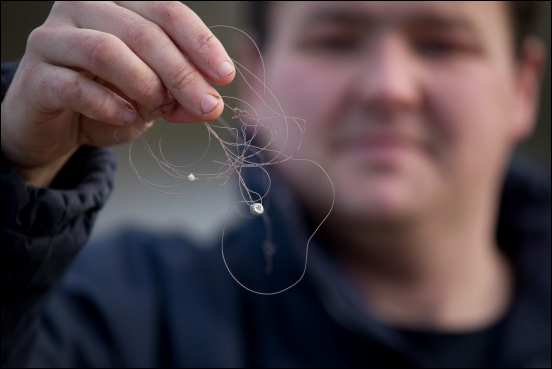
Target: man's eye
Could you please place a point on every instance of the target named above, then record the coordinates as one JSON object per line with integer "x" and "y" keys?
{"x": 435, "y": 48}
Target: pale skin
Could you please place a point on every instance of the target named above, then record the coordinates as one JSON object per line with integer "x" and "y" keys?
{"x": 411, "y": 108}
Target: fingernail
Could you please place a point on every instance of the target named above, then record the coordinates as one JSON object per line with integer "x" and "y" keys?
{"x": 208, "y": 103}
{"x": 129, "y": 116}
{"x": 225, "y": 69}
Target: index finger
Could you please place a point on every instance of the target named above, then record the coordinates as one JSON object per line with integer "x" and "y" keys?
{"x": 190, "y": 35}
{"x": 186, "y": 83}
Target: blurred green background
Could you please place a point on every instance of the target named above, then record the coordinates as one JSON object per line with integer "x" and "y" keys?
{"x": 200, "y": 215}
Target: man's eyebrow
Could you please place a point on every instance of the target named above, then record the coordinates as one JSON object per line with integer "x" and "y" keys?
{"x": 356, "y": 17}
{"x": 337, "y": 16}
{"x": 441, "y": 22}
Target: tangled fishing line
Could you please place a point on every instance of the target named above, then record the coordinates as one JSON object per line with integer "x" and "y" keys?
{"x": 242, "y": 150}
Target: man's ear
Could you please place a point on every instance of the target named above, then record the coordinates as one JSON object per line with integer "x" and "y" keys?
{"x": 529, "y": 75}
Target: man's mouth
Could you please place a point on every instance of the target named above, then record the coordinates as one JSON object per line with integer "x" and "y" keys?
{"x": 381, "y": 146}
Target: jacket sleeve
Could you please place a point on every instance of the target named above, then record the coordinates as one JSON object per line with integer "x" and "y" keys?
{"x": 42, "y": 231}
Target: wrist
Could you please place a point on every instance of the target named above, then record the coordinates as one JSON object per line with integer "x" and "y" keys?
{"x": 37, "y": 176}
{"x": 35, "y": 167}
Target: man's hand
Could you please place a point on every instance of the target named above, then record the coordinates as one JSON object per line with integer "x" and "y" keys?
{"x": 94, "y": 68}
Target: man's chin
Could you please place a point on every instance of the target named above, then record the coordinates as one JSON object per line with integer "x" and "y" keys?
{"x": 378, "y": 203}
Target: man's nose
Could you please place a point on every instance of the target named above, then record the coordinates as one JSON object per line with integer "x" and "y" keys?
{"x": 389, "y": 81}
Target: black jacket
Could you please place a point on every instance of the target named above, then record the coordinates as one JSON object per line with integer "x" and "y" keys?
{"x": 138, "y": 299}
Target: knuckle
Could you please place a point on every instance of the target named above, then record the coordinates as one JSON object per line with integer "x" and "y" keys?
{"x": 203, "y": 41}
{"x": 68, "y": 7}
{"x": 183, "y": 76}
{"x": 167, "y": 10}
{"x": 143, "y": 33}
{"x": 37, "y": 37}
{"x": 102, "y": 106}
{"x": 151, "y": 90}
{"x": 101, "y": 49}
{"x": 69, "y": 88}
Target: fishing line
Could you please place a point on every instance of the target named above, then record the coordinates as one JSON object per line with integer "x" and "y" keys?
{"x": 243, "y": 148}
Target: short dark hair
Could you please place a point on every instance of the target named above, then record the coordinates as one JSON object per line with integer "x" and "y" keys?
{"x": 523, "y": 17}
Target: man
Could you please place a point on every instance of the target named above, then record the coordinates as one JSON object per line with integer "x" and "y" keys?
{"x": 412, "y": 109}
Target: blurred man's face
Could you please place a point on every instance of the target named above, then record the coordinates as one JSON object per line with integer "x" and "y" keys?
{"x": 410, "y": 107}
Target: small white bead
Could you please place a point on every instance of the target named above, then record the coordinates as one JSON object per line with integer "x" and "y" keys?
{"x": 191, "y": 177}
{"x": 256, "y": 209}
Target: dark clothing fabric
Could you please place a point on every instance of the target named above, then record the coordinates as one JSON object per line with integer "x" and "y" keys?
{"x": 458, "y": 350}
{"x": 138, "y": 299}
